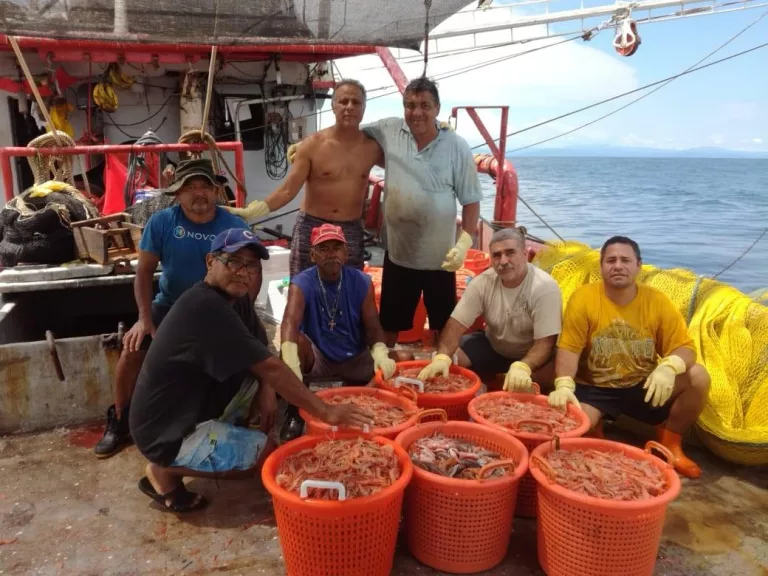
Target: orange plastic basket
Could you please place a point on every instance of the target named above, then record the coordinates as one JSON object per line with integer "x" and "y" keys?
{"x": 477, "y": 261}
{"x": 454, "y": 403}
{"x": 582, "y": 535}
{"x": 328, "y": 538}
{"x": 404, "y": 398}
{"x": 526, "y": 499}
{"x": 462, "y": 526}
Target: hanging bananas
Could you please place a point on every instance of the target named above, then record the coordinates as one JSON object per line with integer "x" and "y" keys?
{"x": 104, "y": 94}
{"x": 104, "y": 97}
{"x": 118, "y": 78}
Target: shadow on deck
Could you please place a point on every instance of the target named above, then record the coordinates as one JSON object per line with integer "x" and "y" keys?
{"x": 62, "y": 511}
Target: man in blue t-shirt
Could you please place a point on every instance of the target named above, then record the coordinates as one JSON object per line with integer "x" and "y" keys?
{"x": 179, "y": 238}
{"x": 329, "y": 322}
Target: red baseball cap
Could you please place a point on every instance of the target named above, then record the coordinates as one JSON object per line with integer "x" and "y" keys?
{"x": 327, "y": 232}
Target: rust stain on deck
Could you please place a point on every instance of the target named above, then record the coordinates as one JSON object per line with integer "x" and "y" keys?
{"x": 13, "y": 375}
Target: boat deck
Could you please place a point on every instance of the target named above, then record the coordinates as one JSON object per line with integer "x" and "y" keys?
{"x": 62, "y": 511}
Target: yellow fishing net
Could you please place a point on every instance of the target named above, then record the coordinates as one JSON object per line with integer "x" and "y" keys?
{"x": 729, "y": 328}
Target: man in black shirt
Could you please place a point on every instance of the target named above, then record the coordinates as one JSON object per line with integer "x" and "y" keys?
{"x": 198, "y": 379}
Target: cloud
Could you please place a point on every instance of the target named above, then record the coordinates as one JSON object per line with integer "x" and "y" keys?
{"x": 539, "y": 84}
{"x": 757, "y": 140}
{"x": 633, "y": 139}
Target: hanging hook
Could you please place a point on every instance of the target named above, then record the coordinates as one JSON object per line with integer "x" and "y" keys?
{"x": 627, "y": 39}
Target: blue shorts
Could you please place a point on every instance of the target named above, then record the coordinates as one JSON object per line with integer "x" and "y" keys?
{"x": 217, "y": 446}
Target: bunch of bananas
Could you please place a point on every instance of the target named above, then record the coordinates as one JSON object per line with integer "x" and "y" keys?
{"x": 104, "y": 97}
{"x": 118, "y": 78}
{"x": 104, "y": 94}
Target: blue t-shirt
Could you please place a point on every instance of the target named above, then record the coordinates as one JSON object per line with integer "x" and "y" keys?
{"x": 347, "y": 339}
{"x": 182, "y": 246}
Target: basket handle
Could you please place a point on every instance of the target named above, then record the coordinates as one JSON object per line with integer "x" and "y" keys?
{"x": 546, "y": 425}
{"x": 400, "y": 380}
{"x": 544, "y": 466}
{"x": 493, "y": 465}
{"x": 535, "y": 389}
{"x": 409, "y": 393}
{"x": 366, "y": 429}
{"x": 650, "y": 446}
{"x": 432, "y": 412}
{"x": 307, "y": 484}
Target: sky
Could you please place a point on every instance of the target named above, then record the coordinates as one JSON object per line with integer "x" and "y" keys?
{"x": 724, "y": 106}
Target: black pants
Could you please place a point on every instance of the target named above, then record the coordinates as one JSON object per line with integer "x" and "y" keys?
{"x": 401, "y": 289}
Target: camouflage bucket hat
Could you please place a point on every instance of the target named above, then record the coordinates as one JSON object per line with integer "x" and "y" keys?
{"x": 187, "y": 169}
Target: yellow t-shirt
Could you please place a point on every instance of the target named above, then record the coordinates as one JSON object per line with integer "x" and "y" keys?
{"x": 619, "y": 345}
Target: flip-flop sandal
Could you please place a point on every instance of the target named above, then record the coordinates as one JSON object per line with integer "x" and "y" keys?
{"x": 182, "y": 500}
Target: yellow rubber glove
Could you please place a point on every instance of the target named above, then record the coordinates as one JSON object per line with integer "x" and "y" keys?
{"x": 518, "y": 377}
{"x": 564, "y": 393}
{"x": 255, "y": 209}
{"x": 291, "y": 153}
{"x": 454, "y": 260}
{"x": 439, "y": 366}
{"x": 289, "y": 352}
{"x": 661, "y": 382}
{"x": 381, "y": 359}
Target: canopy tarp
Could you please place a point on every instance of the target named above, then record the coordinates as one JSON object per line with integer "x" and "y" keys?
{"x": 397, "y": 23}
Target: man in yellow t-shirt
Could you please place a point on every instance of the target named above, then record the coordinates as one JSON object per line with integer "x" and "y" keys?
{"x": 625, "y": 349}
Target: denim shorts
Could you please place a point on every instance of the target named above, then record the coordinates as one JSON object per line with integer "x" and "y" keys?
{"x": 217, "y": 446}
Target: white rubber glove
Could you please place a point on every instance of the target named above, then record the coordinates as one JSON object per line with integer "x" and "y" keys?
{"x": 439, "y": 366}
{"x": 564, "y": 393}
{"x": 289, "y": 352}
{"x": 445, "y": 125}
{"x": 518, "y": 378}
{"x": 454, "y": 260}
{"x": 255, "y": 209}
{"x": 291, "y": 153}
{"x": 381, "y": 360}
{"x": 661, "y": 382}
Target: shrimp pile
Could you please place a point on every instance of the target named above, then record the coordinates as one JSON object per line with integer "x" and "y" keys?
{"x": 507, "y": 412}
{"x": 607, "y": 475}
{"x": 437, "y": 384}
{"x": 384, "y": 415}
{"x": 452, "y": 457}
{"x": 363, "y": 466}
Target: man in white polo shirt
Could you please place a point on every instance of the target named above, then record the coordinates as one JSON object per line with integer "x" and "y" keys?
{"x": 522, "y": 306}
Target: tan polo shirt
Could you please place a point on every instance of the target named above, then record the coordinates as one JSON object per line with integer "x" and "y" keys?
{"x": 514, "y": 317}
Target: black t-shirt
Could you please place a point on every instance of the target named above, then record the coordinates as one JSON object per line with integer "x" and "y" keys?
{"x": 195, "y": 366}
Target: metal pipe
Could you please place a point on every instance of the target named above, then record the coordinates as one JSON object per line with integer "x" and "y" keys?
{"x": 54, "y": 45}
{"x": 259, "y": 101}
{"x": 7, "y": 152}
{"x": 393, "y": 67}
{"x": 240, "y": 173}
{"x": 5, "y": 164}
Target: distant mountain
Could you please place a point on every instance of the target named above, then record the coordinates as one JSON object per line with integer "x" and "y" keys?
{"x": 635, "y": 152}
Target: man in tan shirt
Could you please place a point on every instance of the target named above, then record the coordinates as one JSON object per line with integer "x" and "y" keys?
{"x": 522, "y": 306}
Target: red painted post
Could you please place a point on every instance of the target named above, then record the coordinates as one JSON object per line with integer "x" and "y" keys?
{"x": 5, "y": 164}
{"x": 240, "y": 196}
{"x": 392, "y": 66}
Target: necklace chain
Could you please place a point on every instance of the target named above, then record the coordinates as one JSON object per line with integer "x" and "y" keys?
{"x": 331, "y": 313}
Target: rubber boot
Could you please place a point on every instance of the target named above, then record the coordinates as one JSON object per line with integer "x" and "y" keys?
{"x": 673, "y": 442}
{"x": 116, "y": 434}
{"x": 293, "y": 427}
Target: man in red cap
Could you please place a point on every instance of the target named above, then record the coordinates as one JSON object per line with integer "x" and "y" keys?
{"x": 329, "y": 322}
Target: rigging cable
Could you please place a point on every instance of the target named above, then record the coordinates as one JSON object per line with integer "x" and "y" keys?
{"x": 640, "y": 89}
{"x": 656, "y": 89}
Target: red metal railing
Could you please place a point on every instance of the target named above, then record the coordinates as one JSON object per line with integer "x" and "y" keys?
{"x": 7, "y": 153}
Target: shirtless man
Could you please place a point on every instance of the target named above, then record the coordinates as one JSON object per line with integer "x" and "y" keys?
{"x": 334, "y": 164}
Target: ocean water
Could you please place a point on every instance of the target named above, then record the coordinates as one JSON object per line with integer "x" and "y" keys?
{"x": 699, "y": 214}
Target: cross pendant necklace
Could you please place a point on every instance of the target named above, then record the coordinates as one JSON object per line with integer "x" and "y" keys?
{"x": 331, "y": 313}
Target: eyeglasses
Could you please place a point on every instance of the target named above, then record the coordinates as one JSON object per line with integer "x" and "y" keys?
{"x": 236, "y": 265}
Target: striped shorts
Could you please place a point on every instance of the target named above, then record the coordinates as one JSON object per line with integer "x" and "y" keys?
{"x": 302, "y": 232}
